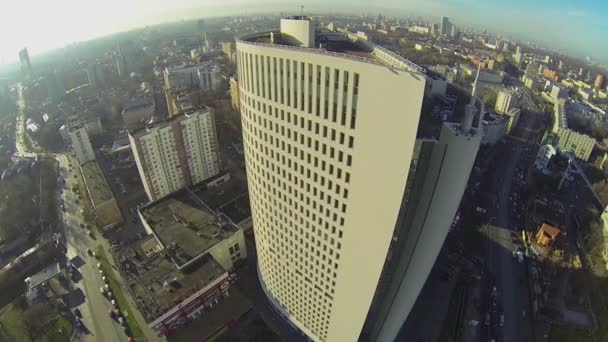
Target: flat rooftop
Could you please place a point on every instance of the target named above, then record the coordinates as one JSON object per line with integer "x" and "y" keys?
{"x": 184, "y": 226}
{"x": 330, "y": 41}
{"x": 159, "y": 286}
{"x": 96, "y": 183}
{"x": 44, "y": 275}
{"x": 230, "y": 198}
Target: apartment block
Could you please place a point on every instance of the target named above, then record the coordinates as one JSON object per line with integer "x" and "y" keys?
{"x": 180, "y": 151}
{"x": 81, "y": 144}
{"x": 234, "y": 93}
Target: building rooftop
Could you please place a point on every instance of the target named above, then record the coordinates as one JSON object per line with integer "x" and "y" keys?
{"x": 96, "y": 183}
{"x": 167, "y": 121}
{"x": 184, "y": 226}
{"x": 342, "y": 44}
{"x": 137, "y": 103}
{"x": 230, "y": 198}
{"x": 44, "y": 275}
{"x": 159, "y": 286}
{"x": 491, "y": 118}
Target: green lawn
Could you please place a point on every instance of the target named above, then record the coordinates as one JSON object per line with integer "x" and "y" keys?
{"x": 11, "y": 324}
{"x": 14, "y": 328}
{"x": 59, "y": 330}
{"x": 133, "y": 327}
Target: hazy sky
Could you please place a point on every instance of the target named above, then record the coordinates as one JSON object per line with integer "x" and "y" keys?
{"x": 579, "y": 26}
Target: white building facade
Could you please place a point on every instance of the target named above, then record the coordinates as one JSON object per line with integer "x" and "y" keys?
{"x": 203, "y": 76}
{"x": 81, "y": 144}
{"x": 175, "y": 153}
{"x": 506, "y": 100}
{"x": 543, "y": 157}
{"x": 319, "y": 153}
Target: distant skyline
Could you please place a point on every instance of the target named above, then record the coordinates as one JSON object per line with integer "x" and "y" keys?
{"x": 579, "y": 29}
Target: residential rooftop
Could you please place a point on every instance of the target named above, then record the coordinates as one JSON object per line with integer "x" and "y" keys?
{"x": 137, "y": 103}
{"x": 168, "y": 121}
{"x": 44, "y": 275}
{"x": 158, "y": 285}
{"x": 184, "y": 226}
{"x": 96, "y": 183}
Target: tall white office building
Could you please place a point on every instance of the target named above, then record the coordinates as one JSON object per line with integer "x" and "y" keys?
{"x": 333, "y": 162}
{"x": 178, "y": 152}
{"x": 81, "y": 144}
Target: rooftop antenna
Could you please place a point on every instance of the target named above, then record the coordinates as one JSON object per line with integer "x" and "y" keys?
{"x": 470, "y": 109}
{"x": 474, "y": 91}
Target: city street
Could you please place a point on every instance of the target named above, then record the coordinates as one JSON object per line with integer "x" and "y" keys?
{"x": 86, "y": 294}
{"x": 510, "y": 276}
{"x": 98, "y": 326}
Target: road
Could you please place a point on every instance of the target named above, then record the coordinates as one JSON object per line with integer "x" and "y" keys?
{"x": 86, "y": 294}
{"x": 510, "y": 276}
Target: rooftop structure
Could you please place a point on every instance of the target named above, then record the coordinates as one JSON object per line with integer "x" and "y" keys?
{"x": 187, "y": 229}
{"x": 165, "y": 295}
{"x": 101, "y": 196}
{"x": 138, "y": 110}
{"x": 43, "y": 276}
{"x": 96, "y": 183}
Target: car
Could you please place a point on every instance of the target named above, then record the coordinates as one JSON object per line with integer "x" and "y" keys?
{"x": 115, "y": 247}
{"x": 77, "y": 313}
{"x": 78, "y": 323}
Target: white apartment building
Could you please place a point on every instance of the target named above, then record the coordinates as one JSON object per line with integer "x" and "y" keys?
{"x": 175, "y": 153}
{"x": 494, "y": 127}
{"x": 506, "y": 100}
{"x": 209, "y": 77}
{"x": 580, "y": 144}
{"x": 319, "y": 155}
{"x": 543, "y": 157}
{"x": 204, "y": 76}
{"x": 81, "y": 144}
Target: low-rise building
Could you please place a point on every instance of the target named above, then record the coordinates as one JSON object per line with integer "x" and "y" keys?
{"x": 138, "y": 110}
{"x": 546, "y": 235}
{"x": 48, "y": 285}
{"x": 184, "y": 268}
{"x": 104, "y": 203}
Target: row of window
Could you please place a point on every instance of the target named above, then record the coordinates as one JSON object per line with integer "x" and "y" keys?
{"x": 318, "y": 90}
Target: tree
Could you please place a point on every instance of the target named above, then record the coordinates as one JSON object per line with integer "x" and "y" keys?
{"x": 35, "y": 317}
